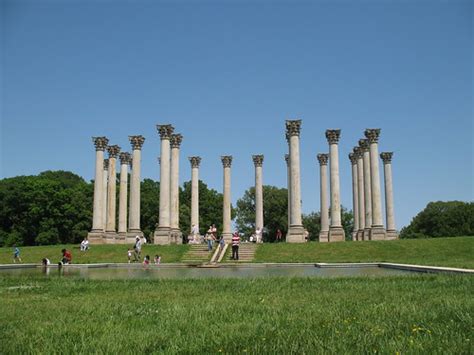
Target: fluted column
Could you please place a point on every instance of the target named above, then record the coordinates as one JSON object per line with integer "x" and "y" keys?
{"x": 390, "y": 215}
{"x": 124, "y": 162}
{"x": 288, "y": 180}
{"x": 134, "y": 228}
{"x": 258, "y": 162}
{"x": 176, "y": 235}
{"x": 364, "y": 146}
{"x": 195, "y": 162}
{"x": 105, "y": 176}
{"x": 336, "y": 232}
{"x": 323, "y": 193}
{"x": 378, "y": 231}
{"x": 355, "y": 196}
{"x": 360, "y": 190}
{"x": 296, "y": 231}
{"x": 162, "y": 234}
{"x": 95, "y": 235}
{"x": 226, "y": 232}
{"x": 113, "y": 151}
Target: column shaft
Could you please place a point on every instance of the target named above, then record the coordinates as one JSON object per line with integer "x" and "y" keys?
{"x": 195, "y": 196}
{"x": 164, "y": 215}
{"x": 97, "y": 219}
{"x": 355, "y": 196}
{"x": 111, "y": 197}
{"x": 367, "y": 195}
{"x": 105, "y": 177}
{"x": 176, "y": 235}
{"x": 258, "y": 162}
{"x": 122, "y": 228}
{"x": 226, "y": 228}
{"x": 288, "y": 181}
{"x": 389, "y": 210}
{"x": 135, "y": 178}
{"x": 323, "y": 193}
{"x": 360, "y": 190}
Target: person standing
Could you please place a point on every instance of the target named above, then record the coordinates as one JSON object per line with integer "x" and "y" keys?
{"x": 258, "y": 235}
{"x": 16, "y": 254}
{"x": 137, "y": 249}
{"x": 278, "y": 236}
{"x": 235, "y": 245}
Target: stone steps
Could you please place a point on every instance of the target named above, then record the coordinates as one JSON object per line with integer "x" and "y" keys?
{"x": 197, "y": 253}
{"x": 246, "y": 252}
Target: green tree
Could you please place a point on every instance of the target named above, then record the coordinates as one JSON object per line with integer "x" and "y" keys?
{"x": 149, "y": 206}
{"x": 442, "y": 219}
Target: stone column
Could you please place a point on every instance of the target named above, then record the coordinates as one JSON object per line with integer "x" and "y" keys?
{"x": 135, "y": 181}
{"x": 378, "y": 231}
{"x": 105, "y": 176}
{"x": 296, "y": 231}
{"x": 364, "y": 146}
{"x": 96, "y": 233}
{"x": 288, "y": 179}
{"x": 323, "y": 193}
{"x": 162, "y": 233}
{"x": 360, "y": 190}
{"x": 110, "y": 231}
{"x": 176, "y": 236}
{"x": 355, "y": 195}
{"x": 336, "y": 232}
{"x": 122, "y": 227}
{"x": 195, "y": 161}
{"x": 258, "y": 162}
{"x": 387, "y": 164}
{"x": 226, "y": 232}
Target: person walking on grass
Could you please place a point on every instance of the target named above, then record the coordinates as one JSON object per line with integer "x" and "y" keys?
{"x": 16, "y": 254}
{"x": 235, "y": 245}
{"x": 278, "y": 236}
{"x": 137, "y": 249}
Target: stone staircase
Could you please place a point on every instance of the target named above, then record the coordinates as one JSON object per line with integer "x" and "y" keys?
{"x": 246, "y": 253}
{"x": 197, "y": 254}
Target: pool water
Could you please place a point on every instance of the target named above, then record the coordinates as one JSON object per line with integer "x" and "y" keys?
{"x": 118, "y": 272}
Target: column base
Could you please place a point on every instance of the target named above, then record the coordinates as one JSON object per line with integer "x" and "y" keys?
{"x": 360, "y": 235}
{"x": 354, "y": 236}
{"x": 295, "y": 235}
{"x": 95, "y": 237}
{"x": 176, "y": 237}
{"x": 324, "y": 236}
{"x": 162, "y": 236}
{"x": 110, "y": 237}
{"x": 336, "y": 234}
{"x": 367, "y": 234}
{"x": 377, "y": 233}
{"x": 121, "y": 238}
{"x": 392, "y": 235}
{"x": 227, "y": 237}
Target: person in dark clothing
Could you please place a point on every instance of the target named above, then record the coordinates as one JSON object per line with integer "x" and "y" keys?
{"x": 235, "y": 245}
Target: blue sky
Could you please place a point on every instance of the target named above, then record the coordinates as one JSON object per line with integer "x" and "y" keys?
{"x": 228, "y": 74}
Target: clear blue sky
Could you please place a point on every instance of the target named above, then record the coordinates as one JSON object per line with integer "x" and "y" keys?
{"x": 228, "y": 74}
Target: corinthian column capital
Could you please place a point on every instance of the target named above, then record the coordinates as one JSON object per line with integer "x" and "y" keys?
{"x": 100, "y": 143}
{"x": 293, "y": 128}
{"x": 176, "y": 140}
{"x": 195, "y": 161}
{"x": 372, "y": 134}
{"x": 386, "y": 157}
{"x": 353, "y": 158}
{"x": 333, "y": 135}
{"x": 113, "y": 151}
{"x": 358, "y": 153}
{"x": 257, "y": 160}
{"x": 136, "y": 142}
{"x": 364, "y": 145}
{"x": 323, "y": 159}
{"x": 226, "y": 161}
{"x": 125, "y": 158}
{"x": 165, "y": 131}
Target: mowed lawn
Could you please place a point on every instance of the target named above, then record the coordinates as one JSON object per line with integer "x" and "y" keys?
{"x": 430, "y": 314}
{"x": 96, "y": 254}
{"x": 453, "y": 252}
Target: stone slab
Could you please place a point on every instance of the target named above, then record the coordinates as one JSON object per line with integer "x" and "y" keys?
{"x": 336, "y": 234}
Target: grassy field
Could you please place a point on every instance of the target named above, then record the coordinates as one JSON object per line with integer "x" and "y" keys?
{"x": 431, "y": 314}
{"x": 454, "y": 252}
{"x": 96, "y": 254}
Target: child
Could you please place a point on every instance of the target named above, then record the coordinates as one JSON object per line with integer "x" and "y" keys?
{"x": 157, "y": 260}
{"x": 146, "y": 261}
{"x": 16, "y": 254}
{"x": 129, "y": 254}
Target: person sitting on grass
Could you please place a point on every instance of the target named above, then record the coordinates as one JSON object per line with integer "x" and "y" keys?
{"x": 129, "y": 255}
{"x": 85, "y": 244}
{"x": 146, "y": 260}
{"x": 157, "y": 260}
{"x": 67, "y": 257}
{"x": 16, "y": 254}
{"x": 45, "y": 262}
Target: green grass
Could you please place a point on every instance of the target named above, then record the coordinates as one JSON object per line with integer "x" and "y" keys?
{"x": 96, "y": 254}
{"x": 453, "y": 252}
{"x": 431, "y": 314}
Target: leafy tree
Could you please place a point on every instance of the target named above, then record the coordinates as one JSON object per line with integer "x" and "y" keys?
{"x": 442, "y": 219}
{"x": 149, "y": 206}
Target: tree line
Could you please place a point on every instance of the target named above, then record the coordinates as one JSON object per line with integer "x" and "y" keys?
{"x": 56, "y": 207}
